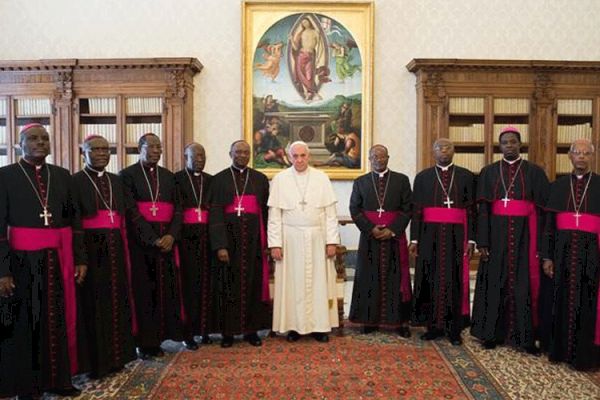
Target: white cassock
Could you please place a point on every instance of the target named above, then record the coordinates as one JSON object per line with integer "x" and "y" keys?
{"x": 305, "y": 298}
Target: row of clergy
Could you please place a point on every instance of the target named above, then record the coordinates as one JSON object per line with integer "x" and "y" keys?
{"x": 187, "y": 251}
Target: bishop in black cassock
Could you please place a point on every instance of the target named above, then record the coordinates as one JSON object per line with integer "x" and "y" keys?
{"x": 443, "y": 234}
{"x": 237, "y": 223}
{"x": 152, "y": 229}
{"x": 511, "y": 194}
{"x": 106, "y": 340}
{"x": 571, "y": 255}
{"x": 38, "y": 342}
{"x": 380, "y": 205}
{"x": 198, "y": 274}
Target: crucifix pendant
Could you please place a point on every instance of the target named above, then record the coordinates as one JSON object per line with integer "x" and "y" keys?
{"x": 111, "y": 215}
{"x": 45, "y": 215}
{"x": 239, "y": 209}
{"x": 302, "y": 204}
{"x": 505, "y": 200}
{"x": 380, "y": 210}
{"x": 448, "y": 202}
{"x": 154, "y": 209}
{"x": 576, "y": 216}
{"x": 199, "y": 213}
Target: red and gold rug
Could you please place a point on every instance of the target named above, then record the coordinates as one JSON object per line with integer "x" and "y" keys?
{"x": 380, "y": 366}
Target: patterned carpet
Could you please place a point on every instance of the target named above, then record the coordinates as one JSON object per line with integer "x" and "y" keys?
{"x": 354, "y": 366}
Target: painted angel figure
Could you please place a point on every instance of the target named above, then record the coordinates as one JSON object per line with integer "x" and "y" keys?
{"x": 272, "y": 56}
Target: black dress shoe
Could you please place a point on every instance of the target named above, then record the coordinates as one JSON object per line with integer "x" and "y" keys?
{"x": 404, "y": 331}
{"x": 253, "y": 339}
{"x": 432, "y": 334}
{"x": 533, "y": 350}
{"x": 293, "y": 336}
{"x": 321, "y": 337}
{"x": 190, "y": 344}
{"x": 489, "y": 344}
{"x": 206, "y": 340}
{"x": 369, "y": 329}
{"x": 143, "y": 353}
{"x": 455, "y": 340}
{"x": 227, "y": 342}
{"x": 66, "y": 392}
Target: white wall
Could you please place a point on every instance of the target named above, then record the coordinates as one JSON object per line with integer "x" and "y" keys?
{"x": 210, "y": 30}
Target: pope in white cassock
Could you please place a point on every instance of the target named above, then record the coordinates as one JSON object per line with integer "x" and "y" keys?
{"x": 303, "y": 236}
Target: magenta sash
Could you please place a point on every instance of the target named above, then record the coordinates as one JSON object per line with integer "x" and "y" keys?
{"x": 587, "y": 223}
{"x": 525, "y": 208}
{"x": 164, "y": 212}
{"x": 102, "y": 221}
{"x": 386, "y": 218}
{"x": 443, "y": 215}
{"x": 250, "y": 205}
{"x": 61, "y": 239}
{"x": 190, "y": 216}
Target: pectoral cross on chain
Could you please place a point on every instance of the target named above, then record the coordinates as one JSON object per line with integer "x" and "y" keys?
{"x": 303, "y": 203}
{"x": 576, "y": 216}
{"x": 380, "y": 210}
{"x": 448, "y": 202}
{"x": 239, "y": 209}
{"x": 154, "y": 209}
{"x": 505, "y": 200}
{"x": 45, "y": 215}
{"x": 199, "y": 213}
{"x": 111, "y": 215}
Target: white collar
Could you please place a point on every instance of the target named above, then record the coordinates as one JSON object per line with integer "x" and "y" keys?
{"x": 100, "y": 173}
{"x": 511, "y": 162}
{"x": 381, "y": 174}
{"x": 241, "y": 171}
{"x": 446, "y": 168}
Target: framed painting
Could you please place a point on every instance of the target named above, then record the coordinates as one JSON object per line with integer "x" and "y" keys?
{"x": 308, "y": 75}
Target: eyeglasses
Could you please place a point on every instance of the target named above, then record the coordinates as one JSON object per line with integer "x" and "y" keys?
{"x": 582, "y": 153}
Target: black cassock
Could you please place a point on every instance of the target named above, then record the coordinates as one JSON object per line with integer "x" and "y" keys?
{"x": 439, "y": 279}
{"x": 239, "y": 283}
{"x": 503, "y": 305}
{"x": 33, "y": 341}
{"x": 197, "y": 270}
{"x": 155, "y": 276}
{"x": 376, "y": 297}
{"x": 106, "y": 341}
{"x": 576, "y": 274}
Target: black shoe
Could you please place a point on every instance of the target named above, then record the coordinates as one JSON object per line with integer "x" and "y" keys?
{"x": 206, "y": 340}
{"x": 253, "y": 339}
{"x": 489, "y": 344}
{"x": 533, "y": 350}
{"x": 432, "y": 334}
{"x": 190, "y": 344}
{"x": 227, "y": 342}
{"x": 455, "y": 340}
{"x": 67, "y": 392}
{"x": 369, "y": 329}
{"x": 321, "y": 337}
{"x": 143, "y": 353}
{"x": 293, "y": 336}
{"x": 404, "y": 331}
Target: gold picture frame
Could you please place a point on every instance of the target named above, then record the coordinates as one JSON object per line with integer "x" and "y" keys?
{"x": 307, "y": 69}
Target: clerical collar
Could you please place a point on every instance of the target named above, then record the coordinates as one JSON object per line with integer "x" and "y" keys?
{"x": 446, "y": 168}
{"x": 381, "y": 174}
{"x": 149, "y": 166}
{"x": 99, "y": 173}
{"x": 37, "y": 167}
{"x": 240, "y": 170}
{"x": 511, "y": 162}
{"x": 581, "y": 176}
{"x": 191, "y": 171}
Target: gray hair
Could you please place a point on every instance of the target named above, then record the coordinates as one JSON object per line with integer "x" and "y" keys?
{"x": 581, "y": 141}
{"x": 297, "y": 143}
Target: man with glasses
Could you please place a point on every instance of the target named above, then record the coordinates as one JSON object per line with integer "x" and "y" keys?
{"x": 572, "y": 259}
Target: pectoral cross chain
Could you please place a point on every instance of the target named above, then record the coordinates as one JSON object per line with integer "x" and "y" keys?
{"x": 45, "y": 215}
